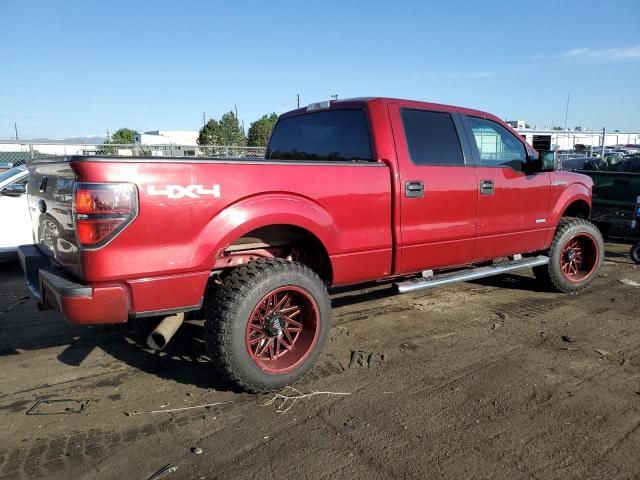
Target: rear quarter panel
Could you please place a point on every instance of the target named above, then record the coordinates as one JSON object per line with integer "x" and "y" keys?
{"x": 347, "y": 206}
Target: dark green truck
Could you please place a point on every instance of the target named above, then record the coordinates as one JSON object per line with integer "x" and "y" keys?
{"x": 616, "y": 200}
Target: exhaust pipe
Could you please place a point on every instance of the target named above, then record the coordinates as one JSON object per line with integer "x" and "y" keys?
{"x": 162, "y": 334}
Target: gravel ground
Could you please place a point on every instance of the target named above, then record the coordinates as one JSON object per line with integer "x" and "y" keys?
{"x": 471, "y": 381}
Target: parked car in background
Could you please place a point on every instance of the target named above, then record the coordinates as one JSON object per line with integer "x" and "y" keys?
{"x": 15, "y": 226}
{"x": 631, "y": 148}
{"x": 616, "y": 195}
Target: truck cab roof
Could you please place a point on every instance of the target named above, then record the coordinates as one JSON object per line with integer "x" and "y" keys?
{"x": 359, "y": 102}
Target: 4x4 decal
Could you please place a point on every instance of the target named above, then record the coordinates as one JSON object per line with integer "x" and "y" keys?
{"x": 178, "y": 191}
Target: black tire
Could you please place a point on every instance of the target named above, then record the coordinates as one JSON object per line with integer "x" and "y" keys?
{"x": 634, "y": 253}
{"x": 235, "y": 304}
{"x": 592, "y": 251}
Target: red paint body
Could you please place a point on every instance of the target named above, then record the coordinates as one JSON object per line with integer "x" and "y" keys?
{"x": 163, "y": 259}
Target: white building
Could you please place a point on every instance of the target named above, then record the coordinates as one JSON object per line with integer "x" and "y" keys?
{"x": 168, "y": 137}
{"x": 50, "y": 148}
{"x": 517, "y": 124}
{"x": 567, "y": 140}
{"x": 173, "y": 143}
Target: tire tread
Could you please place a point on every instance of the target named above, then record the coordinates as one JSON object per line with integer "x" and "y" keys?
{"x": 222, "y": 310}
{"x": 545, "y": 273}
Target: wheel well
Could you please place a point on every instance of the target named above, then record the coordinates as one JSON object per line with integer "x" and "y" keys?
{"x": 579, "y": 209}
{"x": 282, "y": 241}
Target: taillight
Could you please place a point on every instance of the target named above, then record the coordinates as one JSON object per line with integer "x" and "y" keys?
{"x": 102, "y": 210}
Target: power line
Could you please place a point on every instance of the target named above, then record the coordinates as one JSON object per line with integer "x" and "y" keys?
{"x": 144, "y": 111}
{"x": 136, "y": 94}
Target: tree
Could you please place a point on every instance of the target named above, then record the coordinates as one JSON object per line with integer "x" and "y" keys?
{"x": 556, "y": 128}
{"x": 225, "y": 132}
{"x": 122, "y": 136}
{"x": 230, "y": 131}
{"x": 260, "y": 130}
{"x": 577, "y": 128}
{"x": 210, "y": 133}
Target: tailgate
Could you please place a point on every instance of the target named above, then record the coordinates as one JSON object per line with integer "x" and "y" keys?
{"x": 50, "y": 190}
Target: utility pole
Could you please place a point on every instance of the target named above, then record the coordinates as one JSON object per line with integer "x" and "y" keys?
{"x": 298, "y": 97}
{"x": 604, "y": 136}
{"x": 15, "y": 126}
{"x": 566, "y": 115}
{"x": 204, "y": 121}
{"x": 566, "y": 111}
{"x": 334, "y": 96}
{"x": 236, "y": 109}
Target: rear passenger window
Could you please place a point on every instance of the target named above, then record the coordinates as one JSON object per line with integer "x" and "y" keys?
{"x": 332, "y": 135}
{"x": 432, "y": 138}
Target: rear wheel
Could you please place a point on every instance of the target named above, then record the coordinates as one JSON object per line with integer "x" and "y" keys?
{"x": 635, "y": 253}
{"x": 267, "y": 323}
{"x": 575, "y": 256}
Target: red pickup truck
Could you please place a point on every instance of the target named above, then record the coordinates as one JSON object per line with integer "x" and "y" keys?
{"x": 350, "y": 191}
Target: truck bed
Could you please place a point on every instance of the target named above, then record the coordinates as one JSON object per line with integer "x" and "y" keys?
{"x": 190, "y": 210}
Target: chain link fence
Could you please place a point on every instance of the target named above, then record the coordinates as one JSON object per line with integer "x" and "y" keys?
{"x": 13, "y": 153}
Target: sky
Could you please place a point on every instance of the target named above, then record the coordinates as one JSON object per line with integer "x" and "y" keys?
{"x": 80, "y": 68}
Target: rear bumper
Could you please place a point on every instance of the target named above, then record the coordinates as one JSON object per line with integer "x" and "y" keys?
{"x": 79, "y": 303}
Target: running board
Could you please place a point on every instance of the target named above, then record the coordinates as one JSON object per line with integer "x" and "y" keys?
{"x": 428, "y": 280}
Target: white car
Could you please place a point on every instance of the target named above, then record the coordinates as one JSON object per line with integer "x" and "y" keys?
{"x": 15, "y": 226}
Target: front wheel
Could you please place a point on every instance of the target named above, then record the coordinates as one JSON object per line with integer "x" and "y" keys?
{"x": 267, "y": 323}
{"x": 575, "y": 256}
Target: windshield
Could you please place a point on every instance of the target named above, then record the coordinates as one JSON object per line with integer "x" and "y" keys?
{"x": 333, "y": 135}
{"x": 6, "y": 175}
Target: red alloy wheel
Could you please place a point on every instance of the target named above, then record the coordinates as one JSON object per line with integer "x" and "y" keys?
{"x": 283, "y": 329}
{"x": 579, "y": 257}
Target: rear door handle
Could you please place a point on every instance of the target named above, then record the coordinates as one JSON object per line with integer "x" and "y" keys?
{"x": 414, "y": 189}
{"x": 486, "y": 187}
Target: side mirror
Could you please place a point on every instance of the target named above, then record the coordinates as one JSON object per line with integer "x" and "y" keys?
{"x": 548, "y": 161}
{"x": 14, "y": 190}
{"x": 544, "y": 161}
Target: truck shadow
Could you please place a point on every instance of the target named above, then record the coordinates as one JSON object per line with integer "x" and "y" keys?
{"x": 512, "y": 281}
{"x": 184, "y": 360}
{"x": 623, "y": 257}
{"x": 24, "y": 331}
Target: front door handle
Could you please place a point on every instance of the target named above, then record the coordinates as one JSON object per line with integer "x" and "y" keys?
{"x": 414, "y": 189}
{"x": 487, "y": 187}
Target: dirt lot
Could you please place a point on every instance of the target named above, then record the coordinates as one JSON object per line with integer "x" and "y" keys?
{"x": 468, "y": 381}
